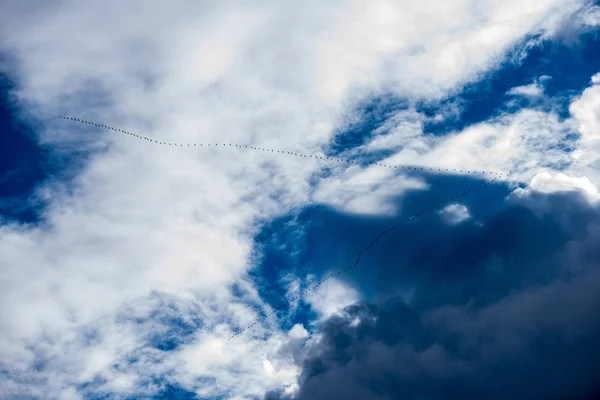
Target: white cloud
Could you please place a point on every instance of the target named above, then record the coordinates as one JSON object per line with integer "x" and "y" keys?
{"x": 455, "y": 213}
{"x": 547, "y": 182}
{"x": 268, "y": 367}
{"x": 332, "y": 297}
{"x": 590, "y": 17}
{"x": 366, "y": 191}
{"x": 531, "y": 90}
{"x": 140, "y": 219}
{"x": 585, "y": 111}
{"x": 521, "y": 144}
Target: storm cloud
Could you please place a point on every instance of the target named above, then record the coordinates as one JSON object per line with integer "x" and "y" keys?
{"x": 503, "y": 307}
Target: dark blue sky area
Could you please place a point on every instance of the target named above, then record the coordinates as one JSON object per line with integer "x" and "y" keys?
{"x": 23, "y": 164}
{"x": 321, "y": 239}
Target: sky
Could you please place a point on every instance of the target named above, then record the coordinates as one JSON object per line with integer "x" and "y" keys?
{"x": 300, "y": 200}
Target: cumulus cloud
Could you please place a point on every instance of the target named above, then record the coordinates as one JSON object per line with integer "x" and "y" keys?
{"x": 586, "y": 114}
{"x": 455, "y": 213}
{"x": 333, "y": 297}
{"x": 144, "y": 238}
{"x": 545, "y": 182}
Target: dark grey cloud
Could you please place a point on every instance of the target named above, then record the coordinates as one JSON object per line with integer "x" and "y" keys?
{"x": 507, "y": 309}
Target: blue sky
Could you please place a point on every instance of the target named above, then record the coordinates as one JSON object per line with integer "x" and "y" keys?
{"x": 130, "y": 267}
{"x": 22, "y": 162}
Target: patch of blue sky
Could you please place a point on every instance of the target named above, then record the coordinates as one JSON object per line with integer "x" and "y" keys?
{"x": 282, "y": 255}
{"x": 174, "y": 392}
{"x": 363, "y": 119}
{"x": 563, "y": 67}
{"x": 174, "y": 333}
{"x": 323, "y": 239}
{"x": 23, "y": 163}
{"x": 26, "y": 162}
{"x": 474, "y": 261}
{"x": 166, "y": 327}
{"x": 349, "y": 233}
{"x": 169, "y": 327}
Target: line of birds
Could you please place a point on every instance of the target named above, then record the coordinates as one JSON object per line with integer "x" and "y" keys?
{"x": 294, "y": 153}
{"x": 315, "y": 286}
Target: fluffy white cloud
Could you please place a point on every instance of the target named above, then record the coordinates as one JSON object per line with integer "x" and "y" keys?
{"x": 331, "y": 298}
{"x": 547, "y": 182}
{"x": 586, "y": 113}
{"x": 519, "y": 144}
{"x": 141, "y": 221}
{"x": 455, "y": 213}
